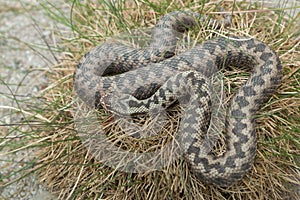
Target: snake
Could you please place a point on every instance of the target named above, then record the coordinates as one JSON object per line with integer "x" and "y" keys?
{"x": 131, "y": 80}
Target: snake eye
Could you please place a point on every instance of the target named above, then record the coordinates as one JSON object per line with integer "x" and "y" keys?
{"x": 168, "y": 54}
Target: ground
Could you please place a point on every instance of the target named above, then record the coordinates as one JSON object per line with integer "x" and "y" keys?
{"x": 26, "y": 34}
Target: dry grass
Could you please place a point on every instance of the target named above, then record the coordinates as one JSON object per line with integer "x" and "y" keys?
{"x": 67, "y": 167}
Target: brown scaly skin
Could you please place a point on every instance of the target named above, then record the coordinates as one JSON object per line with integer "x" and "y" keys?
{"x": 141, "y": 72}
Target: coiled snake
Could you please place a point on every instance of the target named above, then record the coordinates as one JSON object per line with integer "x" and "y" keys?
{"x": 152, "y": 77}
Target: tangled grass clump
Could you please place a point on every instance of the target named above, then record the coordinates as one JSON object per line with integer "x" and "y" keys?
{"x": 68, "y": 168}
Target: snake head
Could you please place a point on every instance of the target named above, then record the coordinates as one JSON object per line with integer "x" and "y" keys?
{"x": 120, "y": 104}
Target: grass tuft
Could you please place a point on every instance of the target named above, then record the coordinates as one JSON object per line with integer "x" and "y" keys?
{"x": 67, "y": 167}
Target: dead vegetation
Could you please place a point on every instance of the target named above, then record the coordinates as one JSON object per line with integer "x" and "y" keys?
{"x": 68, "y": 168}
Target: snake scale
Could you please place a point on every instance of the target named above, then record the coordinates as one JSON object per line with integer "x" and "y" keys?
{"x": 154, "y": 77}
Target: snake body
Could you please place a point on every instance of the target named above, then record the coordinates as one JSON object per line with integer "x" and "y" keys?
{"x": 153, "y": 76}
